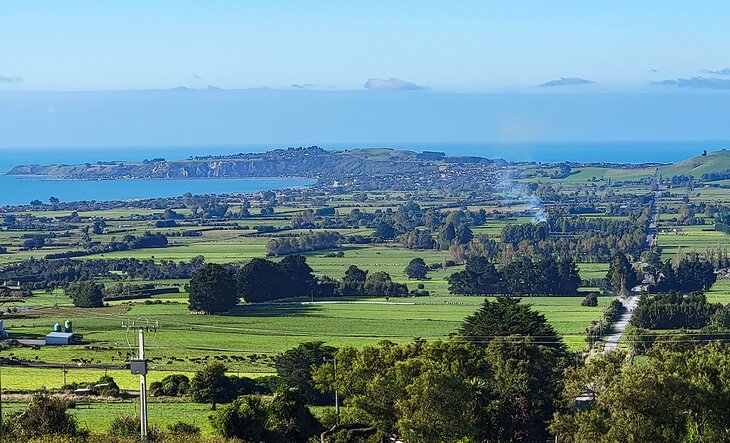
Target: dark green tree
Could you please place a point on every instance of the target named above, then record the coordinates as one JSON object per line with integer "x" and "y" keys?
{"x": 464, "y": 235}
{"x": 568, "y": 277}
{"x": 507, "y": 316}
{"x": 479, "y": 277}
{"x": 621, "y": 276}
{"x": 447, "y": 235}
{"x": 294, "y": 368}
{"x": 384, "y": 231}
{"x": 353, "y": 282}
{"x": 212, "y": 290}
{"x": 245, "y": 418}
{"x": 416, "y": 269}
{"x": 296, "y": 275}
{"x": 289, "y": 417}
{"x": 212, "y": 385}
{"x": 172, "y": 386}
{"x": 86, "y": 294}
{"x": 380, "y": 284}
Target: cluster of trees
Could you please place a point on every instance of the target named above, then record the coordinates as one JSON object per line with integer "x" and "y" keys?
{"x": 86, "y": 294}
{"x": 455, "y": 232}
{"x": 261, "y": 280}
{"x": 283, "y": 418}
{"x": 722, "y": 227}
{"x": 43, "y": 274}
{"x": 314, "y": 241}
{"x": 498, "y": 379}
{"x": 359, "y": 282}
{"x": 529, "y": 232}
{"x": 146, "y": 240}
{"x": 389, "y": 224}
{"x": 493, "y": 382}
{"x": 676, "y": 395}
{"x": 715, "y": 176}
{"x": 34, "y": 242}
{"x": 679, "y": 311}
{"x": 690, "y": 275}
{"x": 217, "y": 289}
{"x": 578, "y": 225}
{"x": 525, "y": 276}
{"x": 594, "y": 240}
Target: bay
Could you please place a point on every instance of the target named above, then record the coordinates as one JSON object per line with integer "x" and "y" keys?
{"x": 16, "y": 190}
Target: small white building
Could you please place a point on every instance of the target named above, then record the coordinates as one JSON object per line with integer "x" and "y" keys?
{"x": 62, "y": 338}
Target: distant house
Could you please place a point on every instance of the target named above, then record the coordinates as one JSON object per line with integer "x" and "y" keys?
{"x": 11, "y": 286}
{"x": 62, "y": 339}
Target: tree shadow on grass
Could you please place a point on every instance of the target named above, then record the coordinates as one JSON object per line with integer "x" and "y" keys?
{"x": 276, "y": 310}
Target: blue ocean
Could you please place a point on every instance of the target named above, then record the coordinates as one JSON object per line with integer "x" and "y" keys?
{"x": 20, "y": 190}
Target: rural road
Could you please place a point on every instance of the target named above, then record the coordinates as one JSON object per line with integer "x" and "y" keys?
{"x": 611, "y": 341}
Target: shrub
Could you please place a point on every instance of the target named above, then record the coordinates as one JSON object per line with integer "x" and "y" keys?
{"x": 127, "y": 426}
{"x": 173, "y": 385}
{"x": 590, "y": 300}
{"x": 183, "y": 429}
{"x": 245, "y": 418}
{"x": 45, "y": 415}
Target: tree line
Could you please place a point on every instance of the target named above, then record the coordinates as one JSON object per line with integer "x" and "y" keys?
{"x": 524, "y": 276}
{"x": 314, "y": 241}
{"x": 217, "y": 289}
{"x": 48, "y": 274}
{"x": 680, "y": 311}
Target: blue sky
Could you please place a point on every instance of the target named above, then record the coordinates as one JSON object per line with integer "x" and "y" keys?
{"x": 446, "y": 46}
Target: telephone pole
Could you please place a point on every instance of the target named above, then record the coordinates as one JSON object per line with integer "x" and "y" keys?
{"x": 142, "y": 390}
{"x": 138, "y": 366}
{"x": 2, "y": 433}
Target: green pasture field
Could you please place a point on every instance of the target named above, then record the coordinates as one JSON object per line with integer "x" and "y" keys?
{"x": 248, "y": 339}
{"x": 720, "y": 292}
{"x": 690, "y": 239}
{"x": 98, "y": 416}
{"x": 599, "y": 175}
{"x": 27, "y": 379}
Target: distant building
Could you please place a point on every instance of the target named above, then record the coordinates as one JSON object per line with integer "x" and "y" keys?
{"x": 62, "y": 339}
{"x": 11, "y": 286}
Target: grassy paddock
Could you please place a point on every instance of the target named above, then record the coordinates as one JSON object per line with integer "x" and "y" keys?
{"x": 98, "y": 416}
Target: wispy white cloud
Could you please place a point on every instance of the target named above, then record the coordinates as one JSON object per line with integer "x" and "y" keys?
{"x": 725, "y": 71}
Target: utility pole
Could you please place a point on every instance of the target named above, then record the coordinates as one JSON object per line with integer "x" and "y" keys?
{"x": 142, "y": 390}
{"x": 333, "y": 360}
{"x": 2, "y": 433}
{"x": 138, "y": 366}
{"x": 64, "y": 376}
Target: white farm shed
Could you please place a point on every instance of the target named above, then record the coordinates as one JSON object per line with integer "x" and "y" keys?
{"x": 61, "y": 338}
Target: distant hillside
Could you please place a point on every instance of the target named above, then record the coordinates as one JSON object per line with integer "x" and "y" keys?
{"x": 717, "y": 162}
{"x": 312, "y": 162}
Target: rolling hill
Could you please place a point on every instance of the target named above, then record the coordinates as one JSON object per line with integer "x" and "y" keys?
{"x": 712, "y": 162}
